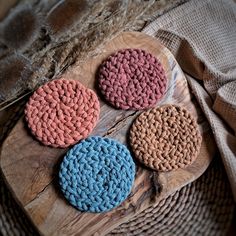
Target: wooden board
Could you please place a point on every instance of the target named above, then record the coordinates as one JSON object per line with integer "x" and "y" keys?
{"x": 30, "y": 169}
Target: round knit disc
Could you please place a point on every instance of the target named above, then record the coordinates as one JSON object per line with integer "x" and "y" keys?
{"x": 132, "y": 79}
{"x": 165, "y": 138}
{"x": 62, "y": 112}
{"x": 97, "y": 174}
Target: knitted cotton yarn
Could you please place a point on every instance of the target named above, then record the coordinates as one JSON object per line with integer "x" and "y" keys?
{"x": 166, "y": 138}
{"x": 97, "y": 174}
{"x": 132, "y": 79}
{"x": 62, "y": 112}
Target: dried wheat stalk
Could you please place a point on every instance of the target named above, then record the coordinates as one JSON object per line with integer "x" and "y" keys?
{"x": 84, "y": 27}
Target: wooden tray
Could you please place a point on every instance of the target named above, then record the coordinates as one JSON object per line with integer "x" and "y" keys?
{"x": 30, "y": 169}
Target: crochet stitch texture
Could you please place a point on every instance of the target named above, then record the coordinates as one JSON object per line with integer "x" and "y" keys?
{"x": 132, "y": 79}
{"x": 62, "y": 112}
{"x": 97, "y": 174}
{"x": 166, "y": 138}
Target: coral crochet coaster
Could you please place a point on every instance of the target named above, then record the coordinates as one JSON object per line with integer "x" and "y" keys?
{"x": 165, "y": 138}
{"x": 62, "y": 112}
{"x": 132, "y": 79}
{"x": 97, "y": 174}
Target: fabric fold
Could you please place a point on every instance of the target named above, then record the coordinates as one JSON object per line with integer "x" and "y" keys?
{"x": 202, "y": 36}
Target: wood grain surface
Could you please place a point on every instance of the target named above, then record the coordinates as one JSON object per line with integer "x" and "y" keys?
{"x": 30, "y": 169}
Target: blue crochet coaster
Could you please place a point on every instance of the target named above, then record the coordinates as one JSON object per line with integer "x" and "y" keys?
{"x": 97, "y": 174}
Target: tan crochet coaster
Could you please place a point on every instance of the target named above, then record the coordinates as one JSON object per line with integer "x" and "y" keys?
{"x": 165, "y": 138}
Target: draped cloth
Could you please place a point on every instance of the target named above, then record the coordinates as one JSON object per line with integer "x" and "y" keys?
{"x": 202, "y": 36}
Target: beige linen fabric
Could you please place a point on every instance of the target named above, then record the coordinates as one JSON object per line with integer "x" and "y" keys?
{"x": 202, "y": 36}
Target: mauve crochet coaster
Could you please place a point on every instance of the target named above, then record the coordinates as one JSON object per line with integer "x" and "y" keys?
{"x": 97, "y": 174}
{"x": 165, "y": 138}
{"x": 62, "y": 112}
{"x": 132, "y": 79}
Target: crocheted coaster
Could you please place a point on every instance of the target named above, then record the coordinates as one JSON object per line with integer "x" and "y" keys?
{"x": 166, "y": 138}
{"x": 132, "y": 79}
{"x": 97, "y": 174}
{"x": 62, "y": 112}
